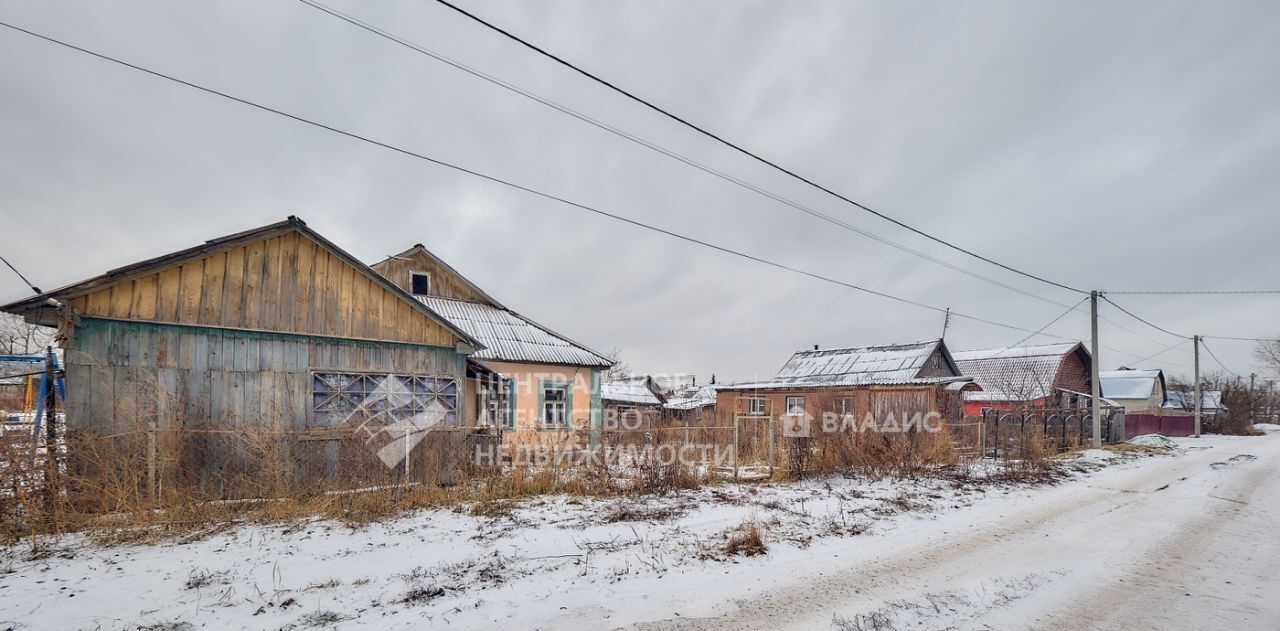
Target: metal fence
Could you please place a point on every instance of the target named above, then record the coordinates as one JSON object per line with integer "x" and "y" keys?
{"x": 1009, "y": 434}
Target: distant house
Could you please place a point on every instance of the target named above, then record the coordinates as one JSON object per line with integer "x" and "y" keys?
{"x": 1185, "y": 401}
{"x": 536, "y": 383}
{"x": 898, "y": 379}
{"x": 1138, "y": 391}
{"x": 1047, "y": 375}
{"x": 694, "y": 404}
{"x": 633, "y": 398}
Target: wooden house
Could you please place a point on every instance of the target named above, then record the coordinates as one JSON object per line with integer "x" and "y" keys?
{"x": 692, "y": 405}
{"x": 899, "y": 379}
{"x": 537, "y": 385}
{"x": 273, "y": 330}
{"x": 1047, "y": 375}
{"x": 635, "y": 401}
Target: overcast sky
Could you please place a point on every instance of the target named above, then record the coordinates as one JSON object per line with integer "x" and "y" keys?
{"x": 1121, "y": 146}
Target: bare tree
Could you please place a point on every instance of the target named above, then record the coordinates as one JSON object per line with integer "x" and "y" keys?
{"x": 18, "y": 337}
{"x": 1267, "y": 353}
{"x": 620, "y": 369}
{"x": 1236, "y": 396}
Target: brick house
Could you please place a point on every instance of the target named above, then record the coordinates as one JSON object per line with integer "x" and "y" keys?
{"x": 1046, "y": 375}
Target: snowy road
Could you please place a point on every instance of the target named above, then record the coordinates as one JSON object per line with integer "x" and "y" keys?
{"x": 1191, "y": 542}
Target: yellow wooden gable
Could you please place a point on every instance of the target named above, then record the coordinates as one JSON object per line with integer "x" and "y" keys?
{"x": 289, "y": 281}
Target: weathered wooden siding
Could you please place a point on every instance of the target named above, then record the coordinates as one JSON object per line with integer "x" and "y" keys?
{"x": 938, "y": 366}
{"x": 122, "y": 376}
{"x": 288, "y": 283}
{"x": 445, "y": 283}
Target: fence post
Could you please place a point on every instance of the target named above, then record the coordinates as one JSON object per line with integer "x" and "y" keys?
{"x": 51, "y": 428}
{"x": 997, "y": 433}
{"x": 735, "y": 447}
{"x": 773, "y": 441}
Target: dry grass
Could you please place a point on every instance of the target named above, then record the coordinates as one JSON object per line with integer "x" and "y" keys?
{"x": 746, "y": 539}
{"x": 908, "y": 454}
{"x": 147, "y": 481}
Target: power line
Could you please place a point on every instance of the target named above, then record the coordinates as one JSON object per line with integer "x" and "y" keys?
{"x": 506, "y": 85}
{"x": 501, "y": 181}
{"x": 1215, "y": 358}
{"x": 1164, "y": 330}
{"x": 743, "y": 151}
{"x": 1135, "y": 317}
{"x": 684, "y": 159}
{"x": 24, "y": 278}
{"x": 1207, "y": 292}
{"x": 1051, "y": 323}
{"x": 1161, "y": 352}
{"x": 1240, "y": 339}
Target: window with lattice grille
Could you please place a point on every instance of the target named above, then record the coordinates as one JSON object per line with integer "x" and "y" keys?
{"x": 390, "y": 399}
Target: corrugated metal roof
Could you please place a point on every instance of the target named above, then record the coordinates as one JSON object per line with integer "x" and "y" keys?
{"x": 867, "y": 365}
{"x": 629, "y": 390}
{"x": 1129, "y": 384}
{"x": 1021, "y": 373}
{"x": 508, "y": 336}
{"x": 692, "y": 399}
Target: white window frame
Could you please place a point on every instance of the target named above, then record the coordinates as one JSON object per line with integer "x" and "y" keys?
{"x": 549, "y": 421}
{"x": 752, "y": 408}
{"x": 789, "y": 407}
{"x": 413, "y": 275}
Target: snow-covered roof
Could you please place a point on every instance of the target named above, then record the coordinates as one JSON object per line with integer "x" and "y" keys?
{"x": 630, "y": 390}
{"x": 692, "y": 398}
{"x": 977, "y": 396}
{"x": 1020, "y": 373}
{"x": 866, "y": 365}
{"x": 1210, "y": 400}
{"x": 508, "y": 336}
{"x": 1129, "y": 383}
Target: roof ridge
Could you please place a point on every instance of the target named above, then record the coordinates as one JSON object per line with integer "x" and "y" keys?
{"x": 870, "y": 347}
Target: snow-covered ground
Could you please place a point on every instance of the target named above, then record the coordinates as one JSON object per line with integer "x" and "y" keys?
{"x": 1183, "y": 540}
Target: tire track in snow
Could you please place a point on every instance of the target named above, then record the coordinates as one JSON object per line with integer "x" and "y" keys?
{"x": 977, "y": 556}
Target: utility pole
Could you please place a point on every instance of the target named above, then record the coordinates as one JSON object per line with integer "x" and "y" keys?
{"x": 1096, "y": 382}
{"x": 51, "y": 451}
{"x": 1252, "y": 416}
{"x": 1196, "y": 341}
{"x": 946, "y": 320}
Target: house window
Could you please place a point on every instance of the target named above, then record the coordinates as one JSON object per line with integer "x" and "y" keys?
{"x": 372, "y": 400}
{"x": 420, "y": 283}
{"x": 509, "y": 414}
{"x": 755, "y": 407}
{"x": 844, "y": 406}
{"x": 795, "y": 405}
{"x": 501, "y": 402}
{"x": 629, "y": 416}
{"x": 555, "y": 406}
